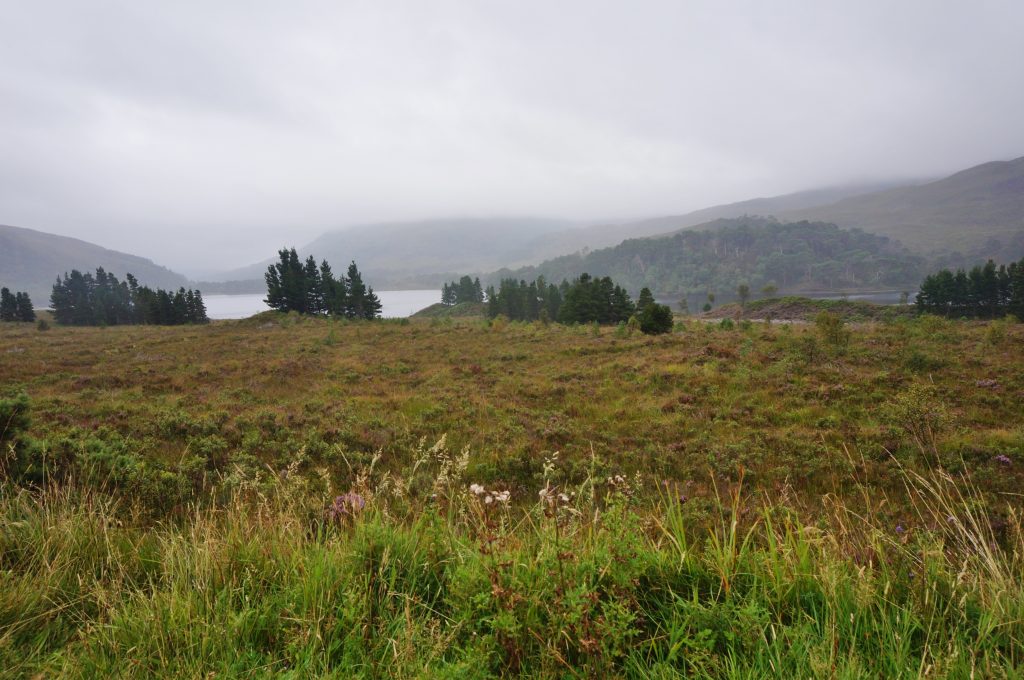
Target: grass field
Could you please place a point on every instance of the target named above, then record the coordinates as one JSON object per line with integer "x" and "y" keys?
{"x": 745, "y": 500}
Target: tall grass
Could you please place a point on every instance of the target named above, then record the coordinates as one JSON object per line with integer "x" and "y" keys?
{"x": 595, "y": 580}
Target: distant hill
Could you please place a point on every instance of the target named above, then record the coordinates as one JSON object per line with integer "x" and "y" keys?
{"x": 978, "y": 213}
{"x": 31, "y": 260}
{"x": 721, "y": 254}
{"x": 424, "y": 253}
{"x": 601, "y": 236}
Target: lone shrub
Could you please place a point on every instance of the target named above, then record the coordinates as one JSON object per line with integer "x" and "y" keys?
{"x": 920, "y": 413}
{"x": 832, "y": 329}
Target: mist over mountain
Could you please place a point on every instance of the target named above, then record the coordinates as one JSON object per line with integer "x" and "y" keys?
{"x": 422, "y": 253}
{"x": 978, "y": 213}
{"x": 32, "y": 260}
{"x": 959, "y": 220}
{"x": 603, "y": 235}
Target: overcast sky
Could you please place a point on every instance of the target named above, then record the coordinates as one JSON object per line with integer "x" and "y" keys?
{"x": 207, "y": 133}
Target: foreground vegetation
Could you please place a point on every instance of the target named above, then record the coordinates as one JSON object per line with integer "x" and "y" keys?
{"x": 259, "y": 498}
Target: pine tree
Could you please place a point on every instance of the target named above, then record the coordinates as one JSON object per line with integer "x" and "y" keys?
{"x": 646, "y": 298}
{"x": 372, "y": 307}
{"x": 8, "y": 305}
{"x": 358, "y": 303}
{"x": 448, "y": 294}
{"x": 333, "y": 291}
{"x": 314, "y": 299}
{"x": 195, "y": 308}
{"x": 493, "y": 304}
{"x": 179, "y": 309}
{"x": 24, "y": 309}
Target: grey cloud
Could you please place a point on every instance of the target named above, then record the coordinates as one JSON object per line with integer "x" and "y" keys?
{"x": 243, "y": 125}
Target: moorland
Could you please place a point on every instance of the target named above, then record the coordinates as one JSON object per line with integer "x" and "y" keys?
{"x": 306, "y": 497}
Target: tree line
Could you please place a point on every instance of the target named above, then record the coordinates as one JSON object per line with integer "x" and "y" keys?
{"x": 986, "y": 291}
{"x": 310, "y": 289}
{"x": 16, "y": 306}
{"x": 585, "y": 299}
{"x": 93, "y": 300}
{"x": 466, "y": 290}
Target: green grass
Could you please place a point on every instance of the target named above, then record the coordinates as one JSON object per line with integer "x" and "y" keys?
{"x": 602, "y": 585}
{"x": 752, "y": 501}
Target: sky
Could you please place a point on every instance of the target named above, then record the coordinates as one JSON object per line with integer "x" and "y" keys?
{"x": 204, "y": 135}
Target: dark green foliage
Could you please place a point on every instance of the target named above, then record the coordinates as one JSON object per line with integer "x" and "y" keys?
{"x": 20, "y": 456}
{"x": 585, "y": 300}
{"x": 293, "y": 286}
{"x": 8, "y": 308}
{"x": 656, "y": 319}
{"x": 361, "y": 302}
{"x": 16, "y": 307}
{"x": 752, "y": 250}
{"x": 589, "y": 299}
{"x": 645, "y": 298}
{"x": 85, "y": 300}
{"x": 466, "y": 290}
{"x": 985, "y": 292}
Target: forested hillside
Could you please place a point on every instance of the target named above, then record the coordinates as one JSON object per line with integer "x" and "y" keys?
{"x": 753, "y": 250}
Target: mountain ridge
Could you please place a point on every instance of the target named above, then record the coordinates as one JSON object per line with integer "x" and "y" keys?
{"x": 31, "y": 260}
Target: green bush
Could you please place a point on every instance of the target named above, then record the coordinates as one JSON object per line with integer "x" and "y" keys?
{"x": 832, "y": 329}
{"x": 656, "y": 319}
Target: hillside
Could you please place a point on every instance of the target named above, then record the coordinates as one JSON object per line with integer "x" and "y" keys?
{"x": 721, "y": 254}
{"x": 425, "y": 253}
{"x": 978, "y": 213}
{"x": 31, "y": 260}
{"x": 608, "y": 235}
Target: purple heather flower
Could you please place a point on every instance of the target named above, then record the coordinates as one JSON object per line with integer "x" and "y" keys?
{"x": 900, "y": 529}
{"x": 1003, "y": 459}
{"x": 345, "y": 505}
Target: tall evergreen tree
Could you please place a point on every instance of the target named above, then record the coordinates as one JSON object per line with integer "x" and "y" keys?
{"x": 23, "y": 305}
{"x": 8, "y": 305}
{"x": 333, "y": 291}
{"x": 646, "y": 298}
{"x": 447, "y": 295}
{"x": 314, "y": 298}
{"x": 362, "y": 302}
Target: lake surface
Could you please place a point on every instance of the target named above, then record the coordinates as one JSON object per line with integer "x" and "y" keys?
{"x": 395, "y": 303}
